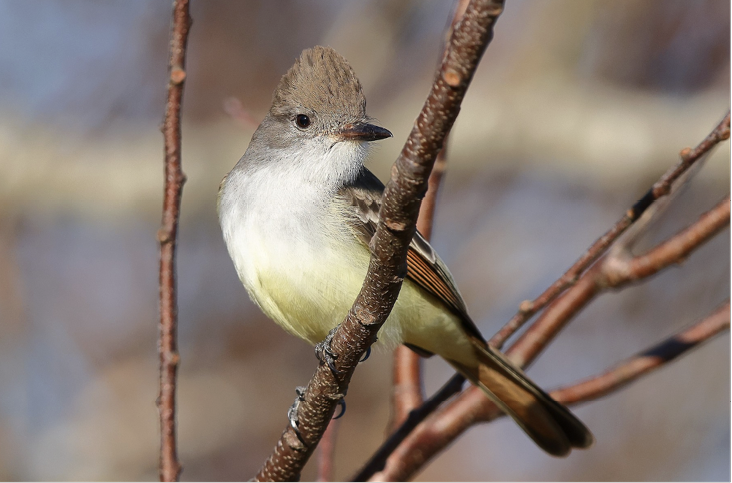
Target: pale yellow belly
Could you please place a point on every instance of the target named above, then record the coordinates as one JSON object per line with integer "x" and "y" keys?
{"x": 310, "y": 300}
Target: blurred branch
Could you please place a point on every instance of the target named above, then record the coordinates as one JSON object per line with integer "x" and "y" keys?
{"x": 398, "y": 215}
{"x": 167, "y": 236}
{"x": 662, "y": 187}
{"x": 400, "y": 461}
{"x": 414, "y": 418}
{"x": 633, "y": 368}
{"x": 326, "y": 452}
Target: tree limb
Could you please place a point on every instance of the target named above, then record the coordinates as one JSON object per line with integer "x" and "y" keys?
{"x": 646, "y": 361}
{"x": 661, "y": 188}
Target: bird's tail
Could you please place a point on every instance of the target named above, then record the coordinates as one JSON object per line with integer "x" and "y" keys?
{"x": 547, "y": 422}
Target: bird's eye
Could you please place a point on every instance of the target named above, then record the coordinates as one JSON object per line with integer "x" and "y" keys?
{"x": 302, "y": 121}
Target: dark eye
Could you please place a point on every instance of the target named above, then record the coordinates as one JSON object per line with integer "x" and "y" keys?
{"x": 302, "y": 121}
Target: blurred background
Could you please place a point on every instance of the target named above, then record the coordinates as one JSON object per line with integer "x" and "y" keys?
{"x": 578, "y": 106}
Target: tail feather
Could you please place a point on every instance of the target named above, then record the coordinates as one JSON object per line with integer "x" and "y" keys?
{"x": 550, "y": 424}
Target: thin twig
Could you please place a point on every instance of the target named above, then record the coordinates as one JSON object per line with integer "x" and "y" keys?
{"x": 661, "y": 188}
{"x": 611, "y": 272}
{"x": 646, "y": 361}
{"x": 167, "y": 236}
{"x": 326, "y": 452}
{"x": 398, "y": 216}
{"x": 674, "y": 250}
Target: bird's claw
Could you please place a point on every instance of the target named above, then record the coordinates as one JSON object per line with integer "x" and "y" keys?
{"x": 366, "y": 355}
{"x": 325, "y": 354}
{"x": 342, "y": 405}
{"x": 292, "y": 412}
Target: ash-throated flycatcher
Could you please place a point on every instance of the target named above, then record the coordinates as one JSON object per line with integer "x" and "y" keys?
{"x": 297, "y": 213}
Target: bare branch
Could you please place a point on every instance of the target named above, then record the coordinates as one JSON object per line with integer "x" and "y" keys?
{"x": 407, "y": 392}
{"x": 414, "y": 418}
{"x": 443, "y": 426}
{"x": 613, "y": 272}
{"x": 326, "y": 451}
{"x": 661, "y": 188}
{"x": 674, "y": 250}
{"x": 437, "y": 432}
{"x": 646, "y": 361}
{"x": 167, "y": 236}
{"x": 398, "y": 215}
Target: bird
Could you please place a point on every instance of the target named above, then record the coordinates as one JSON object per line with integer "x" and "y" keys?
{"x": 297, "y": 213}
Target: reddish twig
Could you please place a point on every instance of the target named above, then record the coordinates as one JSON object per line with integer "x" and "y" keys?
{"x": 623, "y": 270}
{"x": 414, "y": 418}
{"x": 167, "y": 236}
{"x": 398, "y": 215}
{"x": 646, "y": 361}
{"x": 406, "y": 391}
{"x": 613, "y": 272}
{"x": 661, "y": 188}
{"x": 326, "y": 451}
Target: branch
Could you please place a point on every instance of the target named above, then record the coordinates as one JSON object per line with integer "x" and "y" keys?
{"x": 662, "y": 187}
{"x": 646, "y": 361}
{"x": 414, "y": 419}
{"x": 442, "y": 427}
{"x": 398, "y": 215}
{"x": 167, "y": 236}
{"x": 326, "y": 451}
{"x": 674, "y": 250}
{"x": 613, "y": 272}
{"x": 407, "y": 392}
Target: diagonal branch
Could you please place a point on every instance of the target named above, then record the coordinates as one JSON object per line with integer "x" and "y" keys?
{"x": 433, "y": 432}
{"x": 646, "y": 361}
{"x": 398, "y": 215}
{"x": 661, "y": 188}
{"x": 167, "y": 236}
{"x": 407, "y": 392}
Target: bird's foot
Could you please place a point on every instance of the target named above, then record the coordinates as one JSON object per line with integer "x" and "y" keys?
{"x": 325, "y": 354}
{"x": 292, "y": 412}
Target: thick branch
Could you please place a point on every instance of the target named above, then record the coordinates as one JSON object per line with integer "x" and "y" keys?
{"x": 661, "y": 188}
{"x": 389, "y": 245}
{"x": 167, "y": 236}
{"x": 407, "y": 392}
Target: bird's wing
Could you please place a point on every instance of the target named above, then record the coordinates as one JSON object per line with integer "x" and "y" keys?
{"x": 424, "y": 266}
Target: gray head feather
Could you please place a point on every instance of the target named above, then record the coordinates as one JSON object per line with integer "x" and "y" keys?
{"x": 321, "y": 83}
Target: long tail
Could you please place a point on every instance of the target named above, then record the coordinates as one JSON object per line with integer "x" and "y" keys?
{"x": 548, "y": 423}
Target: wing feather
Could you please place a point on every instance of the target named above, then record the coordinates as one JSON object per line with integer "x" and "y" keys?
{"x": 424, "y": 266}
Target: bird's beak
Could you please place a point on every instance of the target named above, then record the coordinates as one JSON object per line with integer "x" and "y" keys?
{"x": 359, "y": 131}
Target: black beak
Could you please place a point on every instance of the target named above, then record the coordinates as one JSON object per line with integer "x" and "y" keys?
{"x": 363, "y": 132}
